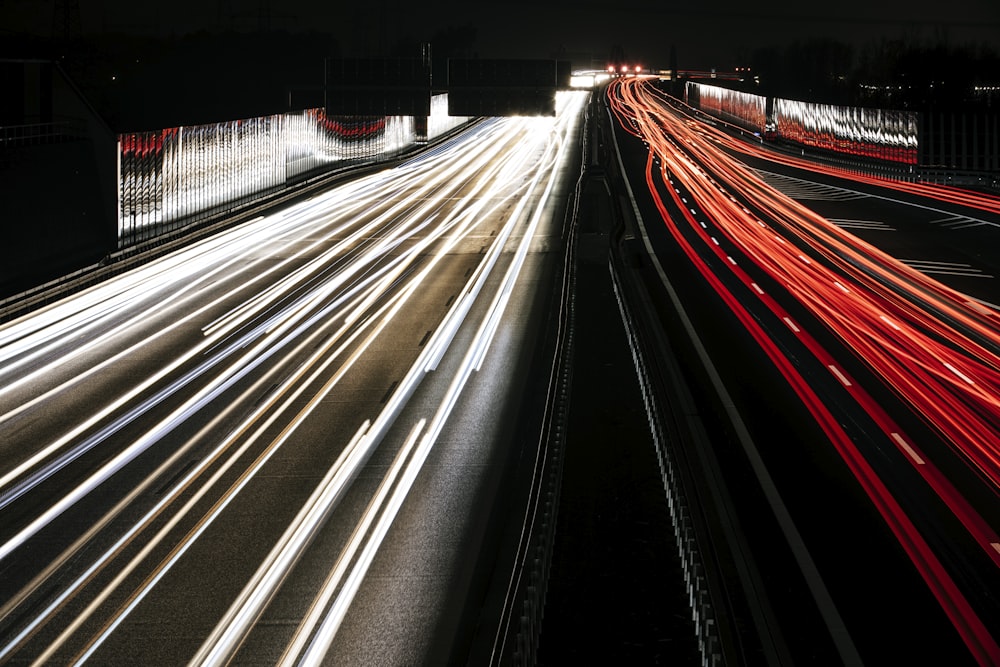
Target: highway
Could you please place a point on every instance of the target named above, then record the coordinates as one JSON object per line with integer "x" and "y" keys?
{"x": 853, "y": 321}
{"x": 279, "y": 445}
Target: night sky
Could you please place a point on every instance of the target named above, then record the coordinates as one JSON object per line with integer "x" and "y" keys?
{"x": 720, "y": 33}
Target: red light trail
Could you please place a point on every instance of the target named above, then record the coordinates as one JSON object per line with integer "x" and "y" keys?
{"x": 934, "y": 347}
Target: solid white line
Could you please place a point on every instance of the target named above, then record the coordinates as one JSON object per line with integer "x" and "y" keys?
{"x": 931, "y": 262}
{"x": 861, "y": 224}
{"x": 951, "y": 216}
{"x": 974, "y": 273}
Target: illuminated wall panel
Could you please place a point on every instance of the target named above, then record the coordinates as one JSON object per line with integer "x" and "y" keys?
{"x": 169, "y": 177}
{"x": 439, "y": 122}
{"x": 883, "y": 134}
{"x": 744, "y": 109}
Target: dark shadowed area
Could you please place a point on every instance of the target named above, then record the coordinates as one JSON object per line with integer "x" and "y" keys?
{"x": 718, "y": 34}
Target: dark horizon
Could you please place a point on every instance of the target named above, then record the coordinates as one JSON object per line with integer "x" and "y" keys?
{"x": 723, "y": 36}
{"x": 146, "y": 67}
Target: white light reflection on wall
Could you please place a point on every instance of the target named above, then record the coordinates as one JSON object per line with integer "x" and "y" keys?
{"x": 170, "y": 176}
{"x": 884, "y": 134}
{"x": 744, "y": 109}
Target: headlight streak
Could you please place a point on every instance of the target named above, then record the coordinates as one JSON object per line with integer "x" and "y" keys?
{"x": 469, "y": 296}
{"x": 297, "y": 321}
{"x": 483, "y": 132}
{"x": 176, "y": 553}
{"x": 257, "y": 276}
{"x": 72, "y": 315}
{"x": 232, "y": 244}
{"x": 359, "y": 235}
{"x": 844, "y": 317}
{"x": 503, "y": 295}
{"x": 126, "y": 287}
{"x": 438, "y": 347}
{"x": 145, "y": 522}
{"x": 255, "y": 389}
{"x": 232, "y": 629}
{"x": 254, "y": 358}
{"x": 273, "y": 293}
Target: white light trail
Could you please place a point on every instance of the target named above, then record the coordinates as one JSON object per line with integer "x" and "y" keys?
{"x": 251, "y": 360}
{"x": 281, "y": 331}
{"x": 327, "y": 629}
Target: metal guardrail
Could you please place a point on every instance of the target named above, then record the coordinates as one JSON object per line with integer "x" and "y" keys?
{"x": 960, "y": 178}
{"x": 671, "y": 418}
{"x": 519, "y": 631}
{"x": 685, "y": 533}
